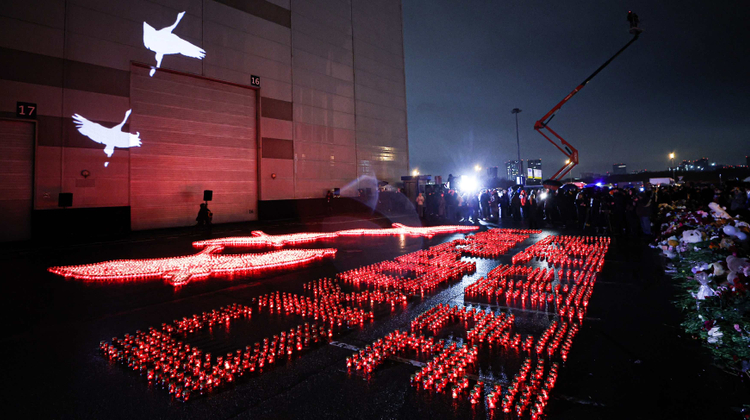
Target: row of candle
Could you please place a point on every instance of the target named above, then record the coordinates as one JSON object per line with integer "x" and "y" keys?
{"x": 219, "y": 316}
{"x": 331, "y": 287}
{"x": 392, "y": 344}
{"x": 185, "y": 370}
{"x": 565, "y": 251}
{"x": 491, "y": 243}
{"x": 543, "y": 395}
{"x": 259, "y": 239}
{"x": 326, "y": 308}
{"x": 178, "y": 271}
{"x": 449, "y": 367}
{"x": 433, "y": 276}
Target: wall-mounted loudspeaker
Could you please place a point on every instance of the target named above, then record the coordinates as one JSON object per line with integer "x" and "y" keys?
{"x": 65, "y": 200}
{"x": 208, "y": 195}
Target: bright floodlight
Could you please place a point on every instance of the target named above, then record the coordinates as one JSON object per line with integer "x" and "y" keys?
{"x": 543, "y": 196}
{"x": 415, "y": 172}
{"x": 477, "y": 168}
{"x": 671, "y": 155}
{"x": 468, "y": 183}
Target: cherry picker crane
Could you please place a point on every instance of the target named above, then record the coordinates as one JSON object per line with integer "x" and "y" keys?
{"x": 566, "y": 148}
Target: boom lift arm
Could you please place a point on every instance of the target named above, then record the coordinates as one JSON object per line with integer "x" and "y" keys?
{"x": 566, "y": 148}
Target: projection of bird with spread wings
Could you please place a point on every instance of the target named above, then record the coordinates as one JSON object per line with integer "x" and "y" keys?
{"x": 164, "y": 42}
{"x": 110, "y": 137}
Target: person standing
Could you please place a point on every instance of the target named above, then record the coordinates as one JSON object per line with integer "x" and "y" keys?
{"x": 515, "y": 207}
{"x": 504, "y": 204}
{"x": 420, "y": 205}
{"x": 484, "y": 199}
{"x": 474, "y": 207}
{"x": 533, "y": 212}
{"x": 643, "y": 209}
{"x": 329, "y": 202}
{"x": 204, "y": 215}
{"x": 494, "y": 206}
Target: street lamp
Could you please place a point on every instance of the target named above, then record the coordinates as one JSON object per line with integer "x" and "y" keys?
{"x": 477, "y": 168}
{"x": 518, "y": 142}
{"x": 415, "y": 172}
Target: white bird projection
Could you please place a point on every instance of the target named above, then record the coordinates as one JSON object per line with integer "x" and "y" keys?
{"x": 164, "y": 42}
{"x": 110, "y": 137}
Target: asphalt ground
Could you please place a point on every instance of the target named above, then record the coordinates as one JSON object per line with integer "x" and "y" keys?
{"x": 629, "y": 360}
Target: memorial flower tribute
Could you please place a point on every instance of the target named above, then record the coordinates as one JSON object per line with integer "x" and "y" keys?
{"x": 708, "y": 255}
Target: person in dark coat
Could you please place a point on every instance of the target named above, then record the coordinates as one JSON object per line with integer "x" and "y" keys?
{"x": 533, "y": 209}
{"x": 484, "y": 201}
{"x": 504, "y": 205}
{"x": 329, "y": 202}
{"x": 474, "y": 207}
{"x": 644, "y": 209}
{"x": 204, "y": 215}
{"x": 515, "y": 206}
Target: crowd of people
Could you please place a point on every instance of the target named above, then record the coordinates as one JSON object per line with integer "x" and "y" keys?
{"x": 618, "y": 211}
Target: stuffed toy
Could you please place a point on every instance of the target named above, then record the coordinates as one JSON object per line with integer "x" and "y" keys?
{"x": 718, "y": 212}
{"x": 737, "y": 266}
{"x": 691, "y": 236}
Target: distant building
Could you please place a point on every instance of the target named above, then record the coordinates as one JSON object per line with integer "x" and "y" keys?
{"x": 492, "y": 172}
{"x": 514, "y": 169}
{"x": 698, "y": 165}
{"x": 590, "y": 176}
{"x": 619, "y": 169}
{"x": 534, "y": 172}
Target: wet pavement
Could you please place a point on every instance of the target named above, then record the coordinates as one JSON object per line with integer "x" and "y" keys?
{"x": 629, "y": 360}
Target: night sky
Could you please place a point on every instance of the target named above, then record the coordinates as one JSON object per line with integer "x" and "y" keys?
{"x": 683, "y": 86}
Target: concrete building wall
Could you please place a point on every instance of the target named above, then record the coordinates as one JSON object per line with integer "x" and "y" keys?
{"x": 382, "y": 142}
{"x": 332, "y": 96}
{"x": 323, "y": 93}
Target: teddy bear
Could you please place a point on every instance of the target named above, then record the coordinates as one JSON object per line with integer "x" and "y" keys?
{"x": 736, "y": 266}
{"x": 718, "y": 212}
{"x": 692, "y": 236}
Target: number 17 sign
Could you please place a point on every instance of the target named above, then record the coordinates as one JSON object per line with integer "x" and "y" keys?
{"x": 25, "y": 110}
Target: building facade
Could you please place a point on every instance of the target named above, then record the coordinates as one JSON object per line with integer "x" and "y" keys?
{"x": 258, "y": 101}
{"x": 514, "y": 169}
{"x": 534, "y": 172}
{"x": 619, "y": 169}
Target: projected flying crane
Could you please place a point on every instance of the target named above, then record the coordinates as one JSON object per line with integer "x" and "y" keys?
{"x": 164, "y": 42}
{"x": 109, "y": 137}
{"x": 566, "y": 148}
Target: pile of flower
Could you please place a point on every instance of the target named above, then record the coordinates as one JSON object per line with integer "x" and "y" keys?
{"x": 708, "y": 252}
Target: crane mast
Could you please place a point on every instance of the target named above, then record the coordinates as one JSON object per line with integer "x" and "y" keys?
{"x": 542, "y": 124}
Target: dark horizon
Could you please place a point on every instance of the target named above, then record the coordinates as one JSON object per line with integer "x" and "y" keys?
{"x": 681, "y": 87}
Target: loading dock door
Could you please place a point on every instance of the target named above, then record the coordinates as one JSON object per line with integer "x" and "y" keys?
{"x": 16, "y": 179}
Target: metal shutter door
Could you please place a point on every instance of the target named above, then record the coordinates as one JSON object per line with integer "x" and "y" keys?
{"x": 16, "y": 179}
{"x": 197, "y": 134}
